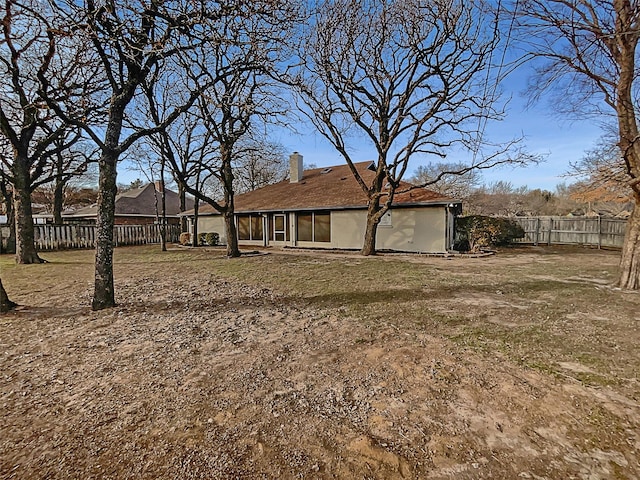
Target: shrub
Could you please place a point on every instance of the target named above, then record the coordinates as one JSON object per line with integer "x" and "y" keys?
{"x": 212, "y": 238}
{"x": 185, "y": 238}
{"x": 476, "y": 232}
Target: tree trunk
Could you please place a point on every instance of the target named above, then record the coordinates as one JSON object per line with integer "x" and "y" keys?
{"x": 58, "y": 201}
{"x": 194, "y": 240}
{"x": 630, "y": 260}
{"x": 7, "y": 195}
{"x": 25, "y": 234}
{"x": 229, "y": 222}
{"x": 369, "y": 246}
{"x": 163, "y": 227}
{"x": 624, "y": 53}
{"x": 11, "y": 221}
{"x": 5, "y": 303}
{"x": 374, "y": 210}
{"x": 182, "y": 195}
{"x": 232, "y": 235}
{"x": 104, "y": 294}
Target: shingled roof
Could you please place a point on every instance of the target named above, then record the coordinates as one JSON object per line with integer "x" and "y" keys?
{"x": 138, "y": 201}
{"x": 327, "y": 188}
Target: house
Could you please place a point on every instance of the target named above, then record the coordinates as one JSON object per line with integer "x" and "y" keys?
{"x": 138, "y": 206}
{"x": 326, "y": 208}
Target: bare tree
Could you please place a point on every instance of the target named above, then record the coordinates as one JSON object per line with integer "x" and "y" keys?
{"x": 6, "y": 190}
{"x": 504, "y": 199}
{"x": 131, "y": 40}
{"x": 409, "y": 77}
{"x": 602, "y": 176}
{"x": 74, "y": 195}
{"x": 239, "y": 93}
{"x": 260, "y": 163}
{"x": 150, "y": 160}
{"x": 458, "y": 186}
{"x": 187, "y": 147}
{"x": 590, "y": 48}
{"x": 37, "y": 138}
{"x": 498, "y": 198}
{"x": 5, "y": 303}
{"x": 67, "y": 164}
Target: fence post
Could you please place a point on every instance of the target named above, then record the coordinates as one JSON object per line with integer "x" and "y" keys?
{"x": 599, "y": 232}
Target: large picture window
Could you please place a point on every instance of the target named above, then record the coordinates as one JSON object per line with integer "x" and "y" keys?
{"x": 305, "y": 227}
{"x": 244, "y": 227}
{"x": 313, "y": 227}
{"x": 322, "y": 227}
{"x": 250, "y": 227}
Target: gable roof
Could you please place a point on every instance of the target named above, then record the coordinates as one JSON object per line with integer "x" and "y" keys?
{"x": 327, "y": 188}
{"x": 139, "y": 201}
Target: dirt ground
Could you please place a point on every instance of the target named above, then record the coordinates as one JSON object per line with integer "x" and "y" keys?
{"x": 204, "y": 373}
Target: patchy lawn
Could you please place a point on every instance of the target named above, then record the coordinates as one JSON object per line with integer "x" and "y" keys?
{"x": 321, "y": 365}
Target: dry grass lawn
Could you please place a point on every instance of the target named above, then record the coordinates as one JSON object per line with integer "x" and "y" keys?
{"x": 321, "y": 365}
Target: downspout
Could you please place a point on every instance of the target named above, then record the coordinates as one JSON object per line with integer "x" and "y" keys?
{"x": 451, "y": 233}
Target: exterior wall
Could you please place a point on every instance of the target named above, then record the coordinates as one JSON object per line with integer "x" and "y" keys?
{"x": 211, "y": 223}
{"x": 140, "y": 220}
{"x": 415, "y": 230}
{"x": 119, "y": 220}
{"x": 410, "y": 230}
{"x": 347, "y": 229}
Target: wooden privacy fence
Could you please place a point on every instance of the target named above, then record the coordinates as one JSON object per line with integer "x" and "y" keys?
{"x": 597, "y": 231}
{"x": 58, "y": 237}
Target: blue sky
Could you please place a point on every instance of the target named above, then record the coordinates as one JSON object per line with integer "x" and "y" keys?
{"x": 545, "y": 132}
{"x": 560, "y": 140}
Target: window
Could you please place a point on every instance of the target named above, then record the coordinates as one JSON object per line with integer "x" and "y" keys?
{"x": 305, "y": 227}
{"x": 250, "y": 227}
{"x": 279, "y": 231}
{"x": 313, "y": 227}
{"x": 244, "y": 227}
{"x": 256, "y": 228}
{"x": 322, "y": 227}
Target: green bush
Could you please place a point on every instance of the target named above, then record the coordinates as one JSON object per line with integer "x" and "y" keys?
{"x": 212, "y": 238}
{"x": 475, "y": 232}
{"x": 209, "y": 238}
{"x": 185, "y": 238}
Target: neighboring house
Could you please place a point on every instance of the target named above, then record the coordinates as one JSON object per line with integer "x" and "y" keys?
{"x": 326, "y": 208}
{"x": 135, "y": 207}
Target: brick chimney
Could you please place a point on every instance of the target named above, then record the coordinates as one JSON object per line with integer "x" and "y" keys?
{"x": 159, "y": 185}
{"x": 295, "y": 167}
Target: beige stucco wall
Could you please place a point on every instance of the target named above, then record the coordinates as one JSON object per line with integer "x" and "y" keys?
{"x": 411, "y": 230}
{"x": 215, "y": 223}
{"x": 347, "y": 228}
{"x": 415, "y": 230}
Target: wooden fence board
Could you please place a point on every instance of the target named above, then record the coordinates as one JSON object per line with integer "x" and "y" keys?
{"x": 61, "y": 237}
{"x": 596, "y": 231}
